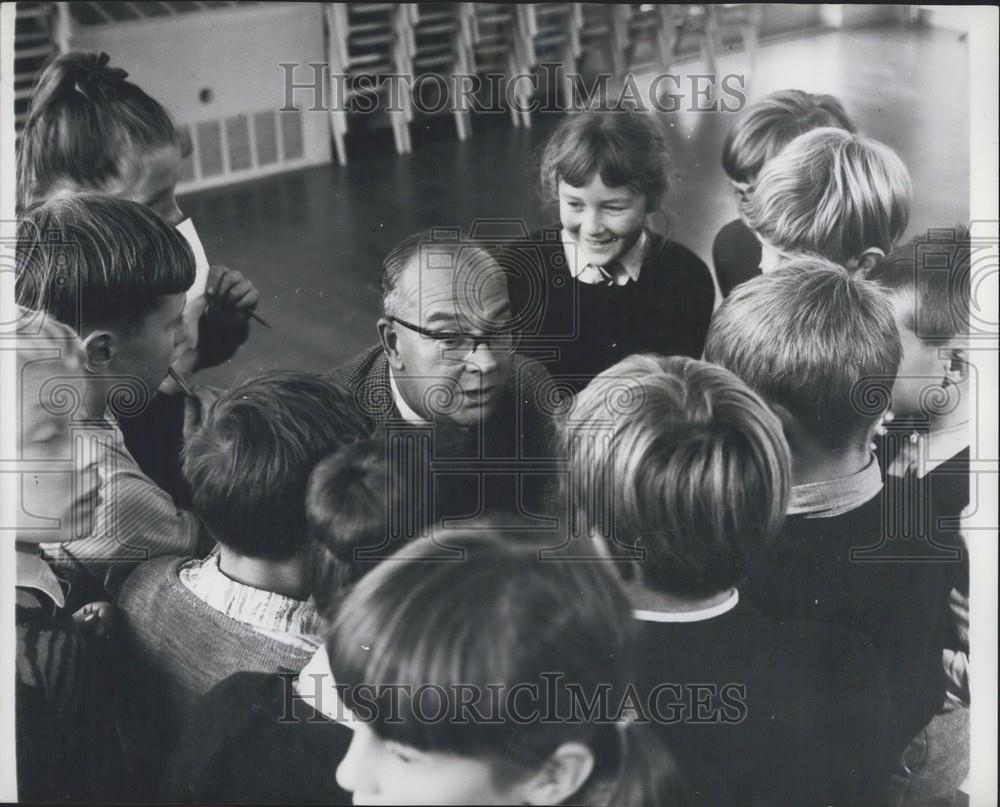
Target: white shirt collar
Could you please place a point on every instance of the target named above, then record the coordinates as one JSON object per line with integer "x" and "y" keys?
{"x": 405, "y": 410}
{"x": 583, "y": 268}
{"x": 930, "y": 450}
{"x": 33, "y": 572}
{"x": 316, "y": 685}
{"x": 293, "y": 622}
{"x": 700, "y": 615}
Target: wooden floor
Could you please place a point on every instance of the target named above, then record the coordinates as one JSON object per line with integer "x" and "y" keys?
{"x": 313, "y": 240}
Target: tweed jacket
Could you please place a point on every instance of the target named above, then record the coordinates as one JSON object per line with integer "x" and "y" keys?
{"x": 511, "y": 454}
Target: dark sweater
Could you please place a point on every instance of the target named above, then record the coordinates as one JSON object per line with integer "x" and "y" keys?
{"x": 505, "y": 466}
{"x": 867, "y": 571}
{"x": 811, "y": 727}
{"x": 588, "y": 327}
{"x": 67, "y": 746}
{"x": 251, "y": 741}
{"x": 736, "y": 255}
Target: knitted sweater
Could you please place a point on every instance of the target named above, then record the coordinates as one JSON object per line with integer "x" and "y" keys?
{"x": 581, "y": 329}
{"x": 179, "y": 648}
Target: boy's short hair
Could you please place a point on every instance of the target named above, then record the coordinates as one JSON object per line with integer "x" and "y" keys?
{"x": 347, "y": 503}
{"x": 932, "y": 270}
{"x": 815, "y": 339}
{"x": 692, "y": 463}
{"x": 91, "y": 261}
{"x": 831, "y": 193}
{"x": 764, "y": 128}
{"x": 249, "y": 463}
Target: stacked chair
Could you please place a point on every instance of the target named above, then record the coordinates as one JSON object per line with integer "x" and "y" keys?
{"x": 433, "y": 42}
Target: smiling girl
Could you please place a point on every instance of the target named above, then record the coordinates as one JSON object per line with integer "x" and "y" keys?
{"x": 606, "y": 286}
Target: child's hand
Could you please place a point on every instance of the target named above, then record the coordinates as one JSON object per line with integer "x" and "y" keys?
{"x": 882, "y": 429}
{"x": 96, "y": 618}
{"x": 230, "y": 294}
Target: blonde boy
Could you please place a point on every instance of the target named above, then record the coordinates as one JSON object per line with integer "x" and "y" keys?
{"x": 830, "y": 193}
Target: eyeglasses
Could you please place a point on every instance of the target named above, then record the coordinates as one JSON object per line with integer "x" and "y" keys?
{"x": 462, "y": 344}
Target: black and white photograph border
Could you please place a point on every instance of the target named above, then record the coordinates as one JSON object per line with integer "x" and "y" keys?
{"x": 306, "y": 158}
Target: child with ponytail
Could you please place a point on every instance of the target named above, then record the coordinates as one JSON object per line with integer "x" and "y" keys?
{"x": 91, "y": 130}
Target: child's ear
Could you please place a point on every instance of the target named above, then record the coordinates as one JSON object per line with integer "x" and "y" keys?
{"x": 561, "y": 776}
{"x": 100, "y": 348}
{"x": 789, "y": 423}
{"x": 956, "y": 365}
{"x": 867, "y": 260}
{"x": 387, "y": 336}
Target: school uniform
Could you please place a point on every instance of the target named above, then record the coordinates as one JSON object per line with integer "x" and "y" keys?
{"x": 848, "y": 556}
{"x": 736, "y": 255}
{"x": 764, "y": 714}
{"x": 579, "y": 318}
{"x": 186, "y": 626}
{"x": 934, "y": 470}
{"x": 262, "y": 738}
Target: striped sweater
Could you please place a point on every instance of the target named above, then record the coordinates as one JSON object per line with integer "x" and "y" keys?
{"x": 135, "y": 520}
{"x": 67, "y": 746}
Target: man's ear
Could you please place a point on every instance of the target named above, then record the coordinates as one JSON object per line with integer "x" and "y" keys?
{"x": 561, "y": 775}
{"x": 100, "y": 348}
{"x": 866, "y": 261}
{"x": 387, "y": 336}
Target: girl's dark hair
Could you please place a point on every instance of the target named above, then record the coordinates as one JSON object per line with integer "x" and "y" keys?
{"x": 477, "y": 617}
{"x": 84, "y": 121}
{"x": 623, "y": 147}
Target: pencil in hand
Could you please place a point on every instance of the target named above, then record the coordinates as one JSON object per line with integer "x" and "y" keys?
{"x": 259, "y": 319}
{"x": 179, "y": 380}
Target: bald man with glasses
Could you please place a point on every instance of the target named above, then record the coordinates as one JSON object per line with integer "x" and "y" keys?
{"x": 447, "y": 365}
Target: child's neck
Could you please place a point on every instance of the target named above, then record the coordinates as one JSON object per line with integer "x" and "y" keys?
{"x": 285, "y": 577}
{"x": 646, "y": 599}
{"x": 812, "y": 461}
{"x": 95, "y": 404}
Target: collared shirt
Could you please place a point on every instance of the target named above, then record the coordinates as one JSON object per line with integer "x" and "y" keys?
{"x": 285, "y": 619}
{"x": 699, "y": 615}
{"x": 134, "y": 520}
{"x": 930, "y": 450}
{"x": 405, "y": 410}
{"x": 835, "y": 497}
{"x": 625, "y": 269}
{"x": 34, "y": 573}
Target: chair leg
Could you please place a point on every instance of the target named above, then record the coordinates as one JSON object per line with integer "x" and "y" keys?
{"x": 710, "y": 38}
